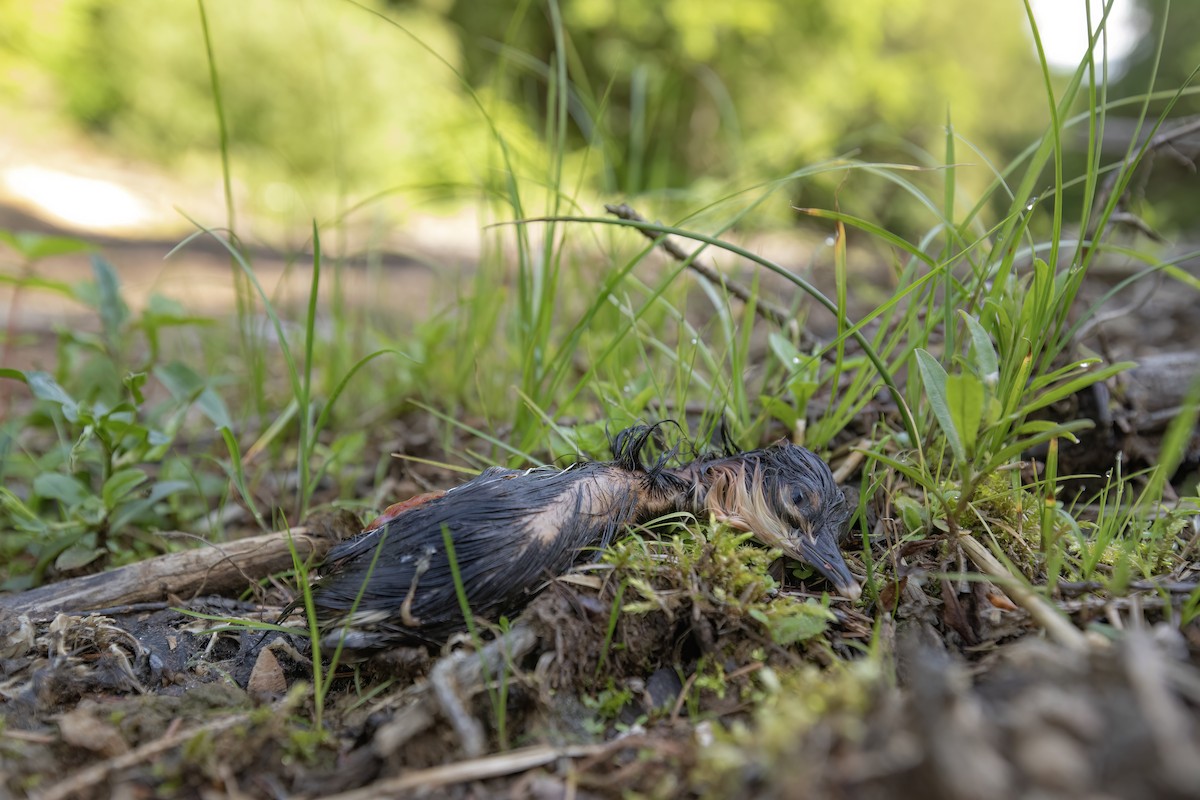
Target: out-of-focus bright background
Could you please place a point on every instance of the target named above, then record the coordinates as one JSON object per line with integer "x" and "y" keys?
{"x": 387, "y": 115}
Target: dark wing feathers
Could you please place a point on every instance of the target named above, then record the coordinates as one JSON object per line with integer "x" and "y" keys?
{"x": 501, "y": 561}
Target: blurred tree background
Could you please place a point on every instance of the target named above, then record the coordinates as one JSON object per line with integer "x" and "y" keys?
{"x": 329, "y": 102}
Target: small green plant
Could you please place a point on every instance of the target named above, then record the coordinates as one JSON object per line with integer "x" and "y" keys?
{"x": 610, "y": 701}
{"x": 111, "y": 479}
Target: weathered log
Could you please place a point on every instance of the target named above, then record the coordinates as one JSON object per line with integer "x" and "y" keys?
{"x": 228, "y": 567}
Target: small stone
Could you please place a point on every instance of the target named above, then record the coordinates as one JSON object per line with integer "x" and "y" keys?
{"x": 266, "y": 680}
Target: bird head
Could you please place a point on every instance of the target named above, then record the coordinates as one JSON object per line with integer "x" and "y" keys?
{"x": 786, "y": 496}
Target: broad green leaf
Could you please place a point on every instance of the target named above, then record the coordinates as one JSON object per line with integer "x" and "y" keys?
{"x": 933, "y": 377}
{"x": 780, "y": 410}
{"x": 180, "y": 380}
{"x": 130, "y": 511}
{"x": 591, "y": 437}
{"x": 164, "y": 489}
{"x": 992, "y": 410}
{"x": 913, "y": 513}
{"x": 965, "y": 397}
{"x": 120, "y": 484}
{"x": 785, "y": 351}
{"x": 214, "y": 408}
{"x": 162, "y": 312}
{"x": 77, "y": 556}
{"x": 803, "y": 389}
{"x": 37, "y": 282}
{"x": 186, "y": 386}
{"x": 987, "y": 366}
{"x": 156, "y": 450}
{"x": 64, "y": 488}
{"x": 134, "y": 382}
{"x": 84, "y": 339}
{"x": 113, "y": 311}
{"x": 35, "y": 246}
{"x": 168, "y": 311}
{"x": 44, "y": 387}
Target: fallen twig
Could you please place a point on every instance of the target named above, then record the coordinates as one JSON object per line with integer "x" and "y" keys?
{"x": 476, "y": 769}
{"x": 857, "y": 455}
{"x": 1164, "y": 139}
{"x": 769, "y": 311}
{"x": 225, "y": 567}
{"x": 1075, "y": 588}
{"x": 1059, "y": 628}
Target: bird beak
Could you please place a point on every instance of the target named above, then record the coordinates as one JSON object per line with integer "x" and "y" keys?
{"x": 822, "y": 554}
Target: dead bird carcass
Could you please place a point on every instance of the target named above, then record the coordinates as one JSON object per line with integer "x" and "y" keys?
{"x": 512, "y": 530}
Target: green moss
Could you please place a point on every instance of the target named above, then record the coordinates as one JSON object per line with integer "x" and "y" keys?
{"x": 798, "y": 715}
{"x": 718, "y": 573}
{"x": 610, "y": 701}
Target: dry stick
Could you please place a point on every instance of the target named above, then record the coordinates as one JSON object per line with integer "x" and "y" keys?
{"x": 1075, "y": 588}
{"x": 229, "y": 566}
{"x": 857, "y": 456}
{"x": 1058, "y": 628}
{"x": 764, "y": 308}
{"x": 476, "y": 769}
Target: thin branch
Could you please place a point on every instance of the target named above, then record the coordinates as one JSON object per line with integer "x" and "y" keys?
{"x": 1164, "y": 140}
{"x": 775, "y": 314}
{"x": 476, "y": 769}
{"x": 1056, "y": 626}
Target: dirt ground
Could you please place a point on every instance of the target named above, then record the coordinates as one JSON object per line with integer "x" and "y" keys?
{"x": 972, "y": 692}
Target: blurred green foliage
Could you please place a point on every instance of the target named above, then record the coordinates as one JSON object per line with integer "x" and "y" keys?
{"x": 319, "y": 95}
{"x": 328, "y": 95}
{"x": 695, "y": 90}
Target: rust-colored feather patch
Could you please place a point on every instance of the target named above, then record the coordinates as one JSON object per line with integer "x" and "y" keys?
{"x": 396, "y": 509}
